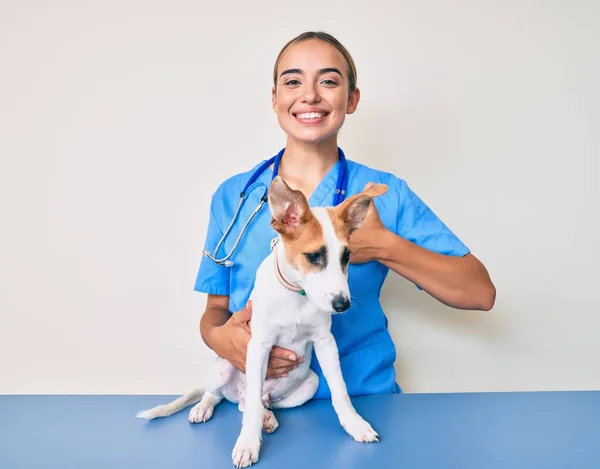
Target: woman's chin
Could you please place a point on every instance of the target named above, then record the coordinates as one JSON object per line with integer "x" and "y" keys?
{"x": 310, "y": 136}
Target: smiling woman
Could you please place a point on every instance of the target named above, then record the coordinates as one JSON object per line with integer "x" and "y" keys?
{"x": 314, "y": 89}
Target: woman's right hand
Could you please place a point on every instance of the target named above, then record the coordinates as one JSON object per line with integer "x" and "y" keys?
{"x": 232, "y": 341}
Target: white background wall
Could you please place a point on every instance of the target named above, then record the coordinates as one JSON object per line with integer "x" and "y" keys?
{"x": 110, "y": 113}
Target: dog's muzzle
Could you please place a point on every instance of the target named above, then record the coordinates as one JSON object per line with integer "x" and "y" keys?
{"x": 340, "y": 303}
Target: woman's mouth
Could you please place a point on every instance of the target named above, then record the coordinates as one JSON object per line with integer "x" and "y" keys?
{"x": 310, "y": 117}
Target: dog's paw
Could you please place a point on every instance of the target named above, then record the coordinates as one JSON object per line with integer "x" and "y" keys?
{"x": 359, "y": 429}
{"x": 270, "y": 423}
{"x": 201, "y": 412}
{"x": 246, "y": 449}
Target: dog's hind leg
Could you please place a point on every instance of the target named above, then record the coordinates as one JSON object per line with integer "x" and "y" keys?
{"x": 220, "y": 376}
{"x": 203, "y": 411}
{"x": 270, "y": 422}
{"x": 305, "y": 391}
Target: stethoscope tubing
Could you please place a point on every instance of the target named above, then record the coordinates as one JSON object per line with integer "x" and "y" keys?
{"x": 340, "y": 193}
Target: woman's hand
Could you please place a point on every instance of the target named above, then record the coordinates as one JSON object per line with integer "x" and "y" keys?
{"x": 231, "y": 342}
{"x": 363, "y": 240}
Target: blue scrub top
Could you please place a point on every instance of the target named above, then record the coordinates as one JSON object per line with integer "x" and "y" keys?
{"x": 367, "y": 353}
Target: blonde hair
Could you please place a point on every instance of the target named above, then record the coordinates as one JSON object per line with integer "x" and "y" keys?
{"x": 323, "y": 36}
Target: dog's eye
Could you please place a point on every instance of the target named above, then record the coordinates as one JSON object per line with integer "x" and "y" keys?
{"x": 318, "y": 257}
{"x": 314, "y": 257}
{"x": 346, "y": 256}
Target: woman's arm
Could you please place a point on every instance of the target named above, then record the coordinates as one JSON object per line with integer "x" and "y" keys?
{"x": 461, "y": 282}
{"x": 215, "y": 315}
{"x": 458, "y": 281}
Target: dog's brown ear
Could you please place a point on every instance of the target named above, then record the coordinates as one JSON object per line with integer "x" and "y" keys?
{"x": 289, "y": 207}
{"x": 375, "y": 190}
{"x": 355, "y": 208}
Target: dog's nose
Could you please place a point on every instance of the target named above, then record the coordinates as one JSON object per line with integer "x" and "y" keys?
{"x": 340, "y": 303}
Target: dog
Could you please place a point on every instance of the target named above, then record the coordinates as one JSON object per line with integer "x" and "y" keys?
{"x": 298, "y": 287}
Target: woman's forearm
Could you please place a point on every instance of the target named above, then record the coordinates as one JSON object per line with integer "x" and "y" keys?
{"x": 460, "y": 282}
{"x": 214, "y": 316}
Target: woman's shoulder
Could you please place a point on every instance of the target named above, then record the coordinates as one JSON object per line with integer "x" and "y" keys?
{"x": 233, "y": 185}
{"x": 360, "y": 174}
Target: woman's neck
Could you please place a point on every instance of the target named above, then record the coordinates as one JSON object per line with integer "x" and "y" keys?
{"x": 303, "y": 165}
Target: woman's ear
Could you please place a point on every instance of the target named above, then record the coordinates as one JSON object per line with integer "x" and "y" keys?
{"x": 353, "y": 100}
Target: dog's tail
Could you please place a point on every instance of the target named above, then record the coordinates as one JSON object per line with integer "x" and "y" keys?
{"x": 175, "y": 406}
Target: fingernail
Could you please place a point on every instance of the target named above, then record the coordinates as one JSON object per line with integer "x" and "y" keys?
{"x": 284, "y": 375}
{"x": 292, "y": 357}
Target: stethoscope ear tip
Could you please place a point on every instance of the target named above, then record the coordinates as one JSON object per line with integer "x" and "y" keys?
{"x": 228, "y": 263}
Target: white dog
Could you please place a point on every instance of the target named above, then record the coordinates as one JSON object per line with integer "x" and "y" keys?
{"x": 298, "y": 287}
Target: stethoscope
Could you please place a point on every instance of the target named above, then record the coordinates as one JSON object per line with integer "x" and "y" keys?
{"x": 339, "y": 195}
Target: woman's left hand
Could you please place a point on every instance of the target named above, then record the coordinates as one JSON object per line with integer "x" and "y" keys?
{"x": 364, "y": 241}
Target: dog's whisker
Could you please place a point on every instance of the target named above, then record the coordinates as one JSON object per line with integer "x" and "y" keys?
{"x": 355, "y": 300}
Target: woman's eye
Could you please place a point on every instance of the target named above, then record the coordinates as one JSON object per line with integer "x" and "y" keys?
{"x": 292, "y": 82}
{"x": 329, "y": 82}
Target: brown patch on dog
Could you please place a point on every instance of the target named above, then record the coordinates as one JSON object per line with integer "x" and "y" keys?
{"x": 307, "y": 238}
{"x": 350, "y": 214}
{"x": 299, "y": 228}
{"x": 341, "y": 228}
{"x": 302, "y": 232}
{"x": 375, "y": 190}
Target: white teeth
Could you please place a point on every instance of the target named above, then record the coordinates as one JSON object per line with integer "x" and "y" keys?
{"x": 310, "y": 115}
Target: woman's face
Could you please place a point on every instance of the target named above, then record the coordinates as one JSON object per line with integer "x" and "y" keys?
{"x": 311, "y": 96}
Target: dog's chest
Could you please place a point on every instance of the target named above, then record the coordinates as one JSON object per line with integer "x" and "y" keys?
{"x": 299, "y": 327}
{"x": 295, "y": 333}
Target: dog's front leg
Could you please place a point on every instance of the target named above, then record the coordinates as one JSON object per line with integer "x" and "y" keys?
{"x": 328, "y": 356}
{"x": 248, "y": 443}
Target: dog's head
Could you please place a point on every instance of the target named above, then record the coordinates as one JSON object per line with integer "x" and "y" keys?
{"x": 316, "y": 240}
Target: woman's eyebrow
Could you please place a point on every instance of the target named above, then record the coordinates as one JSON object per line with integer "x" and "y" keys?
{"x": 321, "y": 71}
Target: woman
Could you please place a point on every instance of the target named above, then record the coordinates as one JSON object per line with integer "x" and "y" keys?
{"x": 314, "y": 89}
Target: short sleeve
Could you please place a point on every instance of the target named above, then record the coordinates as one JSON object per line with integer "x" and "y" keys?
{"x": 420, "y": 225}
{"x": 212, "y": 278}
